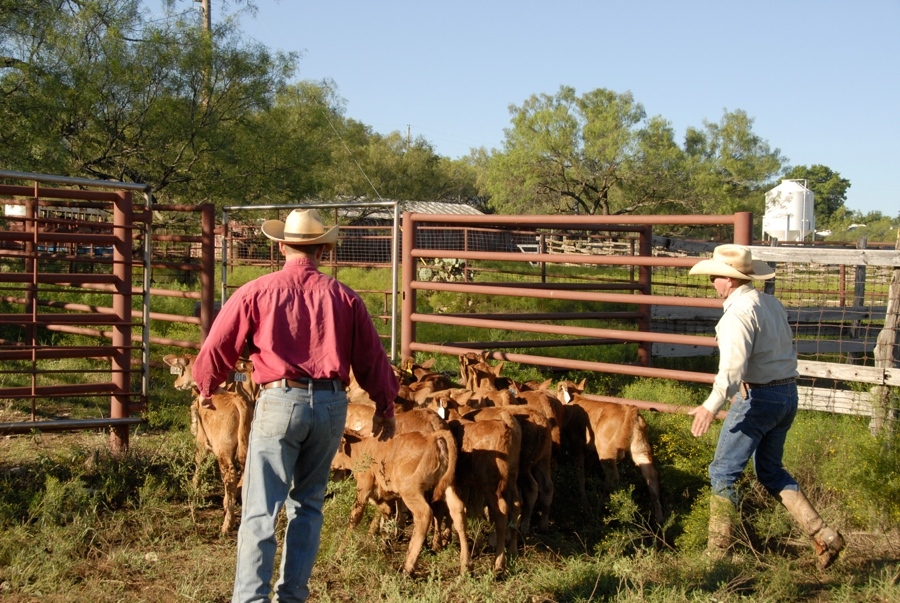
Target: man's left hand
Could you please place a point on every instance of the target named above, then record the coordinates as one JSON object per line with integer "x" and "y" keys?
{"x": 382, "y": 428}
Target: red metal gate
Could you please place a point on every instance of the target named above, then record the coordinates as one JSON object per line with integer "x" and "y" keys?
{"x": 69, "y": 260}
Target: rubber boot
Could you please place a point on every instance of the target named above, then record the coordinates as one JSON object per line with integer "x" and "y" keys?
{"x": 721, "y": 512}
{"x": 827, "y": 541}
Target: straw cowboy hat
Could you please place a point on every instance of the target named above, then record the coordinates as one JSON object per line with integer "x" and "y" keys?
{"x": 302, "y": 227}
{"x": 734, "y": 261}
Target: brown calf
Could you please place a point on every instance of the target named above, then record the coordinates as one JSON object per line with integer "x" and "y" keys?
{"x": 406, "y": 467}
{"x": 612, "y": 431}
{"x": 487, "y": 472}
{"x": 535, "y": 481}
{"x": 224, "y": 431}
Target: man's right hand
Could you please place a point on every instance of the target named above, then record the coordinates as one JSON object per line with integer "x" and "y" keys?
{"x": 702, "y": 420}
{"x": 207, "y": 402}
{"x": 382, "y": 428}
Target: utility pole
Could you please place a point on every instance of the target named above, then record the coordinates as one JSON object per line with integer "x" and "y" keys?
{"x": 207, "y": 17}
{"x": 207, "y": 31}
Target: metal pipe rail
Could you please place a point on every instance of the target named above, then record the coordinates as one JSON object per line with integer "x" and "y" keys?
{"x": 416, "y": 227}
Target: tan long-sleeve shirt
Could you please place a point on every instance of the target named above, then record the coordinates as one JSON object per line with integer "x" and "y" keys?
{"x": 756, "y": 344}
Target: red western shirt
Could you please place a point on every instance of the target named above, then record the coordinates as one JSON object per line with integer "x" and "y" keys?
{"x": 298, "y": 323}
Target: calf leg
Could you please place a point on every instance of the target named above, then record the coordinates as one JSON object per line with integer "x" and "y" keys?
{"x": 457, "y": 510}
{"x": 529, "y": 489}
{"x": 610, "y": 473}
{"x": 203, "y": 448}
{"x": 651, "y": 476}
{"x": 364, "y": 486}
{"x": 579, "y": 473}
{"x": 545, "y": 493}
{"x": 499, "y": 512}
{"x": 230, "y": 481}
{"x": 514, "y": 505}
{"x": 421, "y": 512}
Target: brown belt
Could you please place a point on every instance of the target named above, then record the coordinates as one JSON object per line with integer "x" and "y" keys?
{"x": 335, "y": 385}
{"x": 787, "y": 381}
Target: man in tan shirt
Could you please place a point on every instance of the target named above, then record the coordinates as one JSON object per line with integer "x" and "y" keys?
{"x": 758, "y": 364}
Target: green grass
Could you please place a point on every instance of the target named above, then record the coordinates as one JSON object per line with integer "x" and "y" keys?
{"x": 77, "y": 524}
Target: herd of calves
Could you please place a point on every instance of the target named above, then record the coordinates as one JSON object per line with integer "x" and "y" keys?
{"x": 487, "y": 443}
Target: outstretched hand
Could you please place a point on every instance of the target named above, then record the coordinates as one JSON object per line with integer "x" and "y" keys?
{"x": 702, "y": 420}
{"x": 382, "y": 428}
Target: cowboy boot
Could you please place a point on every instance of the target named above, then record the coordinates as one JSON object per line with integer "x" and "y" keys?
{"x": 827, "y": 541}
{"x": 721, "y": 511}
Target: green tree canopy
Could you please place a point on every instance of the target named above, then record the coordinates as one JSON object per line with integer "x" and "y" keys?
{"x": 566, "y": 153}
{"x": 600, "y": 154}
{"x": 731, "y": 167}
{"x": 92, "y": 89}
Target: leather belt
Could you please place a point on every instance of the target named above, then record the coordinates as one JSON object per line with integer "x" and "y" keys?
{"x": 321, "y": 384}
{"x": 787, "y": 381}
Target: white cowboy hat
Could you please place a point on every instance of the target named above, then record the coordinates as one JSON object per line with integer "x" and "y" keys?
{"x": 734, "y": 261}
{"x": 302, "y": 227}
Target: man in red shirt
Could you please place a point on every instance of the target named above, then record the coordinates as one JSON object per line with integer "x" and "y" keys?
{"x": 305, "y": 331}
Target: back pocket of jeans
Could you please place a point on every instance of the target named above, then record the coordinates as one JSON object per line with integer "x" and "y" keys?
{"x": 273, "y": 415}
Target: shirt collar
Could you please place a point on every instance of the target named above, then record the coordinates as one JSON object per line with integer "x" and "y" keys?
{"x": 297, "y": 260}
{"x": 746, "y": 287}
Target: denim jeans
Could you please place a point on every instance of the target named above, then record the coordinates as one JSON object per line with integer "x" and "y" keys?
{"x": 293, "y": 439}
{"x": 755, "y": 428}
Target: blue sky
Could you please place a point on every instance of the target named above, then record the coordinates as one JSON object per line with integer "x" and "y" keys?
{"x": 820, "y": 79}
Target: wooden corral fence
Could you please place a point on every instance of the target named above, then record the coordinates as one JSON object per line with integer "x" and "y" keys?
{"x": 839, "y": 323}
{"x": 842, "y": 305}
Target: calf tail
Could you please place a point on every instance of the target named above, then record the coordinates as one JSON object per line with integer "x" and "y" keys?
{"x": 245, "y": 418}
{"x": 515, "y": 445}
{"x": 642, "y": 455}
{"x": 641, "y": 450}
{"x": 446, "y": 446}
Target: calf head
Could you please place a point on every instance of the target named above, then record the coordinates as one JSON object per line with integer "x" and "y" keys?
{"x": 446, "y": 403}
{"x": 181, "y": 365}
{"x": 567, "y": 390}
{"x": 240, "y": 380}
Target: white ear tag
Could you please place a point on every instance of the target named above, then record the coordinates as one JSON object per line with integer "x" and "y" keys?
{"x": 567, "y": 397}
{"x": 175, "y": 370}
{"x": 240, "y": 378}
{"x": 442, "y": 412}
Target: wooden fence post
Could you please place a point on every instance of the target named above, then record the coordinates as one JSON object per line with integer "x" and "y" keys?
{"x": 859, "y": 298}
{"x": 887, "y": 355}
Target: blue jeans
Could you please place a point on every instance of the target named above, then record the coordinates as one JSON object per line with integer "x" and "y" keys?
{"x": 294, "y": 437}
{"x": 755, "y": 428}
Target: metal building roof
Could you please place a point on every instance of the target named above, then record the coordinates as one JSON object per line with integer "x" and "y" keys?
{"x": 421, "y": 207}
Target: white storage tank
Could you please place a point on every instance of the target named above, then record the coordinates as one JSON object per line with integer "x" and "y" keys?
{"x": 790, "y": 211}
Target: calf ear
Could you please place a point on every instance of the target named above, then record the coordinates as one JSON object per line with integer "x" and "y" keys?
{"x": 171, "y": 359}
